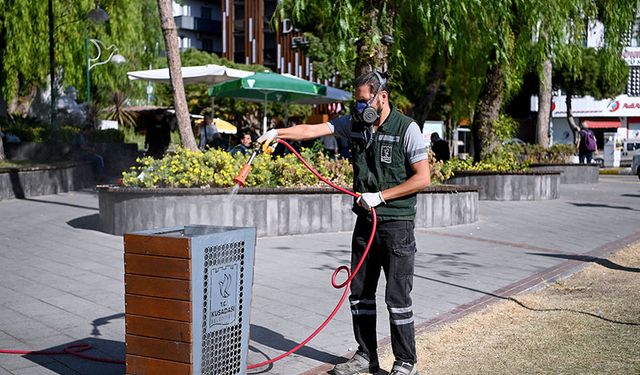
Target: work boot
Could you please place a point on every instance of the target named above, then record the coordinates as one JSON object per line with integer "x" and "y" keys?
{"x": 359, "y": 363}
{"x": 404, "y": 368}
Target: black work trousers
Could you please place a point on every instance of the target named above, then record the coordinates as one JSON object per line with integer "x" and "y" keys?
{"x": 393, "y": 251}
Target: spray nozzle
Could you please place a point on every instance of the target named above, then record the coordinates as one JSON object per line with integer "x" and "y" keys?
{"x": 258, "y": 148}
{"x": 241, "y": 178}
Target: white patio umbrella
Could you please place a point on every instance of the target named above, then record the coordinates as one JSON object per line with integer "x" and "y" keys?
{"x": 209, "y": 74}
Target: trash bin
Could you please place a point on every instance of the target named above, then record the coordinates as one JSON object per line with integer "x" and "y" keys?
{"x": 187, "y": 300}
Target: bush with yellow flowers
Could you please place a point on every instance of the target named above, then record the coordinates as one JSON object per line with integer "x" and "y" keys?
{"x": 217, "y": 168}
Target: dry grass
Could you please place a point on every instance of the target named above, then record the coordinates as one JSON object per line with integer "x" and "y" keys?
{"x": 587, "y": 324}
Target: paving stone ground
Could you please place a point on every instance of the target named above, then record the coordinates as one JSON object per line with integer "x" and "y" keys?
{"x": 61, "y": 280}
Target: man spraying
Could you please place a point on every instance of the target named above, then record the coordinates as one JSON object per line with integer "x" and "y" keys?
{"x": 390, "y": 167}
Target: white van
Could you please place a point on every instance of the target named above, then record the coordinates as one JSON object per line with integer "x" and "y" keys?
{"x": 630, "y": 148}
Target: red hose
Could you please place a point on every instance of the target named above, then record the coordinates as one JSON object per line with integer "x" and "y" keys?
{"x": 76, "y": 349}
{"x": 350, "y": 274}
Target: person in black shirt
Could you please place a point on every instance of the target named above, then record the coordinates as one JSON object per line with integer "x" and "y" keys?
{"x": 440, "y": 147}
{"x": 158, "y": 135}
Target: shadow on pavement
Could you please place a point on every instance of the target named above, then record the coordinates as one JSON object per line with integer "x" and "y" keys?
{"x": 60, "y": 204}
{"x": 16, "y": 184}
{"x": 263, "y": 357}
{"x": 595, "y": 205}
{"x": 630, "y": 195}
{"x": 512, "y": 299}
{"x": 89, "y": 222}
{"x": 71, "y": 364}
{"x": 104, "y": 321}
{"x": 585, "y": 258}
{"x": 278, "y": 342}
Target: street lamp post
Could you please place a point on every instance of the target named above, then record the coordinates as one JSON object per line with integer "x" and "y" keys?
{"x": 94, "y": 61}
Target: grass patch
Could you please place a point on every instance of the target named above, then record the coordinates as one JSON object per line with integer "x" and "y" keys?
{"x": 613, "y": 171}
{"x": 587, "y": 324}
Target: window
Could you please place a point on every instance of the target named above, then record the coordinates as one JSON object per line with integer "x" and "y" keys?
{"x": 205, "y": 12}
{"x": 186, "y": 43}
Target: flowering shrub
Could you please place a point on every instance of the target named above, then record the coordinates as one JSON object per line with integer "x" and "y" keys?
{"x": 217, "y": 168}
{"x": 507, "y": 158}
{"x": 514, "y": 157}
{"x": 556, "y": 154}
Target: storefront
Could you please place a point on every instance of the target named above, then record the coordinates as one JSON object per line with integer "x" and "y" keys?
{"x": 620, "y": 115}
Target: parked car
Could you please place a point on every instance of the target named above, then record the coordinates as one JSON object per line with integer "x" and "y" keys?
{"x": 635, "y": 165}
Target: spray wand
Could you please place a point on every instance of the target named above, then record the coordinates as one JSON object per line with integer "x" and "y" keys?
{"x": 240, "y": 180}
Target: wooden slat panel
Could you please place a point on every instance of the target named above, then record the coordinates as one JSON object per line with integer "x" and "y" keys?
{"x": 137, "y": 365}
{"x": 158, "y": 307}
{"x": 156, "y": 348}
{"x": 157, "y": 266}
{"x": 157, "y": 287}
{"x": 158, "y": 328}
{"x": 157, "y": 245}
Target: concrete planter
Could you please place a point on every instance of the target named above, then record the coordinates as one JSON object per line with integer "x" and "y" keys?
{"x": 117, "y": 156}
{"x": 273, "y": 212}
{"x": 44, "y": 180}
{"x": 511, "y": 186}
{"x": 572, "y": 173}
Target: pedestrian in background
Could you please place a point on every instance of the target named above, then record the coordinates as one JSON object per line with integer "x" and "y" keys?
{"x": 440, "y": 147}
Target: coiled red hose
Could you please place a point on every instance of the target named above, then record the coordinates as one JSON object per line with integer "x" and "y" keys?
{"x": 334, "y": 283}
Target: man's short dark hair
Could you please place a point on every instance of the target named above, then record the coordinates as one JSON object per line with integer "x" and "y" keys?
{"x": 372, "y": 80}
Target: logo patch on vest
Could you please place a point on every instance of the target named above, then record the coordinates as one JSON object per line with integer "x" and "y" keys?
{"x": 385, "y": 153}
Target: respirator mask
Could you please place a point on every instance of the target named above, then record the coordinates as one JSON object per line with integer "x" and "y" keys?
{"x": 363, "y": 111}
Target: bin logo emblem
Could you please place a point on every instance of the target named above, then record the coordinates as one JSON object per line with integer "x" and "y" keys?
{"x": 223, "y": 298}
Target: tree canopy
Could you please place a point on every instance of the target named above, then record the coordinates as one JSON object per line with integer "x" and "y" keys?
{"x": 133, "y": 28}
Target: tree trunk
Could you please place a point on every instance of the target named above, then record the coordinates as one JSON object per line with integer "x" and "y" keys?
{"x": 377, "y": 21}
{"x": 544, "y": 104}
{"x": 175, "y": 74}
{"x": 487, "y": 112}
{"x": 2, "y": 155}
{"x": 571, "y": 120}
{"x": 434, "y": 81}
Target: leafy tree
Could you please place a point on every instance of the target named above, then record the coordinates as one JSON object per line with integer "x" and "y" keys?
{"x": 564, "y": 25}
{"x": 24, "y": 46}
{"x": 597, "y": 73}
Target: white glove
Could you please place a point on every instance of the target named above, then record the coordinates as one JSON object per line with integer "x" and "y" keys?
{"x": 370, "y": 200}
{"x": 268, "y": 138}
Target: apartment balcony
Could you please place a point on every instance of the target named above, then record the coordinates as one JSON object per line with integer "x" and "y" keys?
{"x": 198, "y": 24}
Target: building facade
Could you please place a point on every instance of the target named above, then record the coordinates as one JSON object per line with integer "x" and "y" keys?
{"x": 244, "y": 31}
{"x": 617, "y": 117}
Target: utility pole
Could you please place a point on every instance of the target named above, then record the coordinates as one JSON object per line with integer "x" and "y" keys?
{"x": 52, "y": 66}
